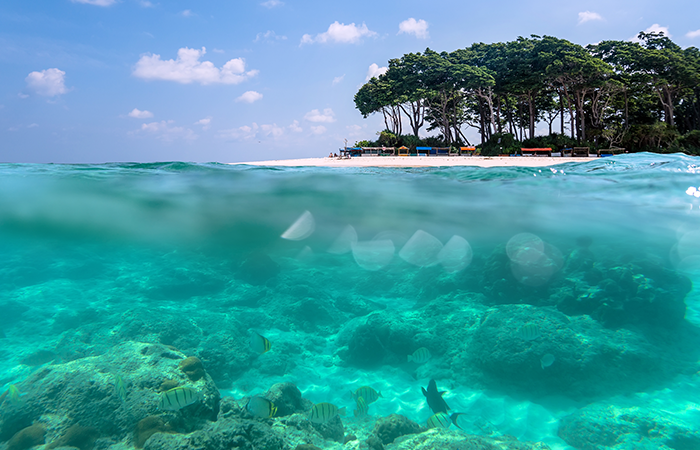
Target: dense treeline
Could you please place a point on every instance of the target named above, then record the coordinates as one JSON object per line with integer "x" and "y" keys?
{"x": 641, "y": 95}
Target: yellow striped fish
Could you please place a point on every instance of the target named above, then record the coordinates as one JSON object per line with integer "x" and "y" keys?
{"x": 439, "y": 420}
{"x": 529, "y": 332}
{"x": 260, "y": 344}
{"x": 369, "y": 394}
{"x": 362, "y": 407}
{"x": 261, "y": 407}
{"x": 177, "y": 398}
{"x": 420, "y": 356}
{"x": 323, "y": 412}
{"x": 120, "y": 388}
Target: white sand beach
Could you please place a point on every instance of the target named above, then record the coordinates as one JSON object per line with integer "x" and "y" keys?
{"x": 418, "y": 161}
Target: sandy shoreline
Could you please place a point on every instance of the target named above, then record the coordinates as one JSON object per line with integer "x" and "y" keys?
{"x": 418, "y": 161}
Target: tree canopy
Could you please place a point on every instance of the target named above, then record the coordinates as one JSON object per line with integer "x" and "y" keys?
{"x": 610, "y": 93}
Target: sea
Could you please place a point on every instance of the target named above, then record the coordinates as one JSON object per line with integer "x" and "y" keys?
{"x": 538, "y": 299}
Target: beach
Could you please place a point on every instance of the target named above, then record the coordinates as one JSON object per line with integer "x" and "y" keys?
{"x": 419, "y": 161}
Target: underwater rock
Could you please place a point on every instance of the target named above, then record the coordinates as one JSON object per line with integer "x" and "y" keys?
{"x": 223, "y": 434}
{"x": 287, "y": 398}
{"x": 639, "y": 293}
{"x": 333, "y": 429}
{"x": 77, "y": 436}
{"x": 306, "y": 447}
{"x": 147, "y": 427}
{"x": 39, "y": 357}
{"x": 599, "y": 425}
{"x": 387, "y": 429}
{"x": 590, "y": 360}
{"x": 27, "y": 437}
{"x": 193, "y": 368}
{"x": 83, "y": 392}
{"x": 456, "y": 440}
{"x": 258, "y": 268}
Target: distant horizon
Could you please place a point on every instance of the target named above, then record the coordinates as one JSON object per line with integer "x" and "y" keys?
{"x": 107, "y": 81}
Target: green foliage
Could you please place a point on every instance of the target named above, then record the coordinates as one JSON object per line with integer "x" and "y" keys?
{"x": 555, "y": 141}
{"x": 364, "y": 143}
{"x": 387, "y": 139}
{"x": 688, "y": 143}
{"x": 500, "y": 144}
{"x": 650, "y": 138}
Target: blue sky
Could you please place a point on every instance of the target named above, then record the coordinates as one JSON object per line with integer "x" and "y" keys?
{"x": 137, "y": 80}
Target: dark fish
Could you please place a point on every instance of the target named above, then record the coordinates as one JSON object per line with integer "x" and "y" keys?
{"x": 435, "y": 401}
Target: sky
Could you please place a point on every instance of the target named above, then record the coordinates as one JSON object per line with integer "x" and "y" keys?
{"x": 91, "y": 81}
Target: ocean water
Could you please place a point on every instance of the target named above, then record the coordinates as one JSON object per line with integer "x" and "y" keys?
{"x": 349, "y": 271}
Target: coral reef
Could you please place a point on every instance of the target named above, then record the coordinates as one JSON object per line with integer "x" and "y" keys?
{"x": 77, "y": 436}
{"x": 27, "y": 437}
{"x": 387, "y": 429}
{"x": 193, "y": 368}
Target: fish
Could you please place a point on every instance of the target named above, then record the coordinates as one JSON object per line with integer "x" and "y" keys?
{"x": 362, "y": 407}
{"x": 529, "y": 332}
{"x": 120, "y": 388}
{"x": 420, "y": 356}
{"x": 323, "y": 412}
{"x": 12, "y": 395}
{"x": 435, "y": 401}
{"x": 547, "y": 360}
{"x": 261, "y": 407}
{"x": 177, "y": 398}
{"x": 369, "y": 394}
{"x": 259, "y": 343}
{"x": 439, "y": 420}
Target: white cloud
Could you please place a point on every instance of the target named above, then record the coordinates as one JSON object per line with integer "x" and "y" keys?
{"x": 218, "y": 50}
{"x": 374, "y": 71}
{"x": 272, "y": 130}
{"x": 316, "y": 116}
{"x": 146, "y": 4}
{"x": 49, "y": 82}
{"x": 138, "y": 114}
{"x": 269, "y": 36}
{"x": 187, "y": 68}
{"x": 165, "y": 132}
{"x": 32, "y": 125}
{"x": 295, "y": 128}
{"x": 340, "y": 33}
{"x": 253, "y": 131}
{"x": 250, "y": 97}
{"x": 692, "y": 34}
{"x": 656, "y": 28}
{"x": 318, "y": 130}
{"x": 337, "y": 80}
{"x": 413, "y": 26}
{"x": 269, "y": 4}
{"x": 587, "y": 16}
{"x": 96, "y": 2}
{"x": 21, "y": 95}
{"x": 205, "y": 123}
{"x": 186, "y": 13}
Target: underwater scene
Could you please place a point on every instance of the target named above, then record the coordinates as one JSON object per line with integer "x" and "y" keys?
{"x": 211, "y": 306}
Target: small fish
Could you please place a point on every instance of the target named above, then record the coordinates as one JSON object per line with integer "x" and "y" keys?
{"x": 177, "y": 398}
{"x": 261, "y": 407}
{"x": 13, "y": 395}
{"x": 529, "y": 332}
{"x": 260, "y": 344}
{"x": 323, "y": 412}
{"x": 369, "y": 394}
{"x": 435, "y": 401}
{"x": 439, "y": 420}
{"x": 547, "y": 360}
{"x": 362, "y": 407}
{"x": 120, "y": 387}
{"x": 420, "y": 356}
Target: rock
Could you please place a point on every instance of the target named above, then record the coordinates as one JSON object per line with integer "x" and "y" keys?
{"x": 387, "y": 429}
{"x": 257, "y": 268}
{"x": 147, "y": 427}
{"x": 27, "y": 437}
{"x": 193, "y": 368}
{"x": 456, "y": 440}
{"x": 77, "y": 436}
{"x": 601, "y": 425}
{"x": 83, "y": 392}
{"x": 287, "y": 398}
{"x": 333, "y": 429}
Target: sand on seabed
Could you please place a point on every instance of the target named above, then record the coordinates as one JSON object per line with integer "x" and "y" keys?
{"x": 421, "y": 161}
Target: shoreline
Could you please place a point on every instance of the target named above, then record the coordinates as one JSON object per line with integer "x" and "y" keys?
{"x": 421, "y": 161}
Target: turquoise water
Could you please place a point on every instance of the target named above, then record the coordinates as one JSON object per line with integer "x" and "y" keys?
{"x": 601, "y": 257}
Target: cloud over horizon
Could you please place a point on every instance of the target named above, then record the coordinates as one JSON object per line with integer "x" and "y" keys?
{"x": 96, "y": 2}
{"x": 49, "y": 82}
{"x": 250, "y": 97}
{"x": 138, "y": 114}
{"x": 340, "y": 33}
{"x": 587, "y": 16}
{"x": 187, "y": 68}
{"x": 419, "y": 28}
{"x": 375, "y": 71}
{"x": 327, "y": 116}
